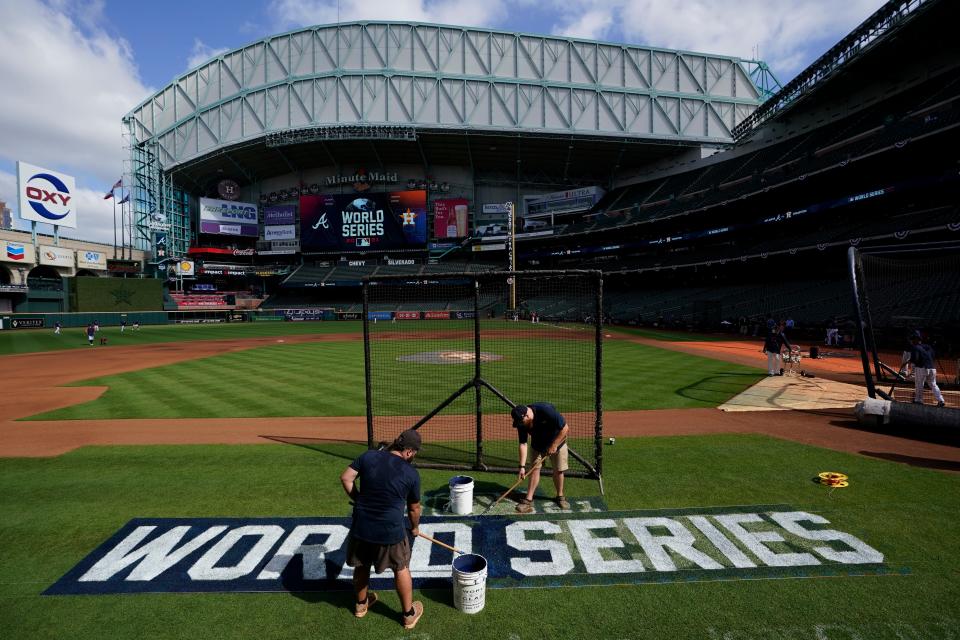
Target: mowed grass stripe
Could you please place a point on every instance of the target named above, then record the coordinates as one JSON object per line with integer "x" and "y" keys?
{"x": 57, "y": 510}
{"x": 327, "y": 379}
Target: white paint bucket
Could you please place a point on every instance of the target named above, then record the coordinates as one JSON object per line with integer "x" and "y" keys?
{"x": 469, "y": 582}
{"x": 461, "y": 495}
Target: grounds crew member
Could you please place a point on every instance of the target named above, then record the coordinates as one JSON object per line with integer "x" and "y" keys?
{"x": 547, "y": 431}
{"x": 378, "y": 537}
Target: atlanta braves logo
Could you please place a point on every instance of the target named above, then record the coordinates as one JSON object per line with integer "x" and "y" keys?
{"x": 322, "y": 222}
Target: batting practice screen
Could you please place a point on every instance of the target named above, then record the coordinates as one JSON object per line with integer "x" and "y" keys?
{"x": 451, "y": 355}
{"x": 898, "y": 293}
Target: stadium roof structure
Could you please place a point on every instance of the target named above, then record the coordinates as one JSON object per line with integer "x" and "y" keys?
{"x": 880, "y": 43}
{"x": 400, "y": 82}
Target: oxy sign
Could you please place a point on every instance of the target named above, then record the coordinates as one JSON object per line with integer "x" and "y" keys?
{"x": 46, "y": 195}
{"x": 542, "y": 550}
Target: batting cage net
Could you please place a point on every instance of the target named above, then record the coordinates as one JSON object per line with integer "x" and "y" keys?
{"x": 903, "y": 292}
{"x": 452, "y": 354}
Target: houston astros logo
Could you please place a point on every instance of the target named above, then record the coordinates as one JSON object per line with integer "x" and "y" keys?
{"x": 48, "y": 196}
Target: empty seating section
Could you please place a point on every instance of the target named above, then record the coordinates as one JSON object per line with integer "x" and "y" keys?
{"x": 876, "y": 128}
{"x": 809, "y": 303}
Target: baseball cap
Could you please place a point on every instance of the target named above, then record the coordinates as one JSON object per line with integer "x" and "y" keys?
{"x": 409, "y": 439}
{"x": 519, "y": 412}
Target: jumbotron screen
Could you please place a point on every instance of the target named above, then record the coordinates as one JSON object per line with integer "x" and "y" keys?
{"x": 368, "y": 222}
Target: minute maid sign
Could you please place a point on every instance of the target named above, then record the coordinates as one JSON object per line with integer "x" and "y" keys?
{"x": 576, "y": 549}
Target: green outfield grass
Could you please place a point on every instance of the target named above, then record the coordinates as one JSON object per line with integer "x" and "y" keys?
{"x": 58, "y": 510}
{"x": 327, "y": 379}
{"x": 33, "y": 340}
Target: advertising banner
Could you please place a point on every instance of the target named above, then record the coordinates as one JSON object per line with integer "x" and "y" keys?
{"x": 91, "y": 260}
{"x": 407, "y": 315}
{"x": 300, "y": 315}
{"x": 280, "y": 232}
{"x": 450, "y": 218}
{"x": 497, "y": 207}
{"x": 280, "y": 215}
{"x": 18, "y": 252}
{"x": 349, "y": 315}
{"x": 56, "y": 256}
{"x": 46, "y": 196}
{"x": 224, "y": 217}
{"x": 185, "y": 268}
{"x": 26, "y": 323}
{"x": 374, "y": 221}
{"x": 436, "y": 315}
{"x": 160, "y": 244}
{"x": 379, "y": 315}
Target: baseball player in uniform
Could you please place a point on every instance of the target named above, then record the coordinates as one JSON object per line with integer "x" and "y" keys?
{"x": 923, "y": 360}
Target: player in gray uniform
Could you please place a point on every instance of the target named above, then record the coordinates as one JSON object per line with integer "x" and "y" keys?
{"x": 924, "y": 369}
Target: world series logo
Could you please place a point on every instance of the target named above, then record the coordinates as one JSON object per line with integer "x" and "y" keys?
{"x": 551, "y": 549}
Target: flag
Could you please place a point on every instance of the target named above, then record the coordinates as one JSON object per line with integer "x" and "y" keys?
{"x": 116, "y": 186}
{"x": 126, "y": 198}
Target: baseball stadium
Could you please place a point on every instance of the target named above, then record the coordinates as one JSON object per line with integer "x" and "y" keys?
{"x": 740, "y": 297}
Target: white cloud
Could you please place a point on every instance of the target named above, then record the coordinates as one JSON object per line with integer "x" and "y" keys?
{"x": 201, "y": 53}
{"x": 289, "y": 14}
{"x": 790, "y": 34}
{"x": 67, "y": 85}
{"x": 66, "y": 88}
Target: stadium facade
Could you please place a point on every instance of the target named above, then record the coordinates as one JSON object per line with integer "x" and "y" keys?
{"x": 429, "y": 120}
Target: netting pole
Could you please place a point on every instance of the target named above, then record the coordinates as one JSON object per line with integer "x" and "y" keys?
{"x": 476, "y": 369}
{"x": 366, "y": 362}
{"x": 598, "y": 394}
{"x": 852, "y": 262}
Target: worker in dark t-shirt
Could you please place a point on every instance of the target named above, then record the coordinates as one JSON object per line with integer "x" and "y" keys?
{"x": 378, "y": 538}
{"x": 547, "y": 431}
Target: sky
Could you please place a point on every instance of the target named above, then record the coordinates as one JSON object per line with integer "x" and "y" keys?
{"x": 71, "y": 69}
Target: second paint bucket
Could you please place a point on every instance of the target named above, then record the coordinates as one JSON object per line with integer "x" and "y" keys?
{"x": 461, "y": 495}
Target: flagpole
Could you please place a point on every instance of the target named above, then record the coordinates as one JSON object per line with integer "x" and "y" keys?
{"x": 123, "y": 236}
{"x": 114, "y": 226}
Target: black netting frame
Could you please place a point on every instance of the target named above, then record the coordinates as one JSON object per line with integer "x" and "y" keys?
{"x": 896, "y": 291}
{"x": 452, "y": 354}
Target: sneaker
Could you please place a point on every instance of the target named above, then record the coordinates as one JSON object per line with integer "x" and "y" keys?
{"x": 562, "y": 503}
{"x": 524, "y": 506}
{"x": 409, "y": 622}
{"x": 360, "y": 610}
{"x": 941, "y": 404}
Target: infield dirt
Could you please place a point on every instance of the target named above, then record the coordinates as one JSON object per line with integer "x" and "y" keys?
{"x": 38, "y": 386}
